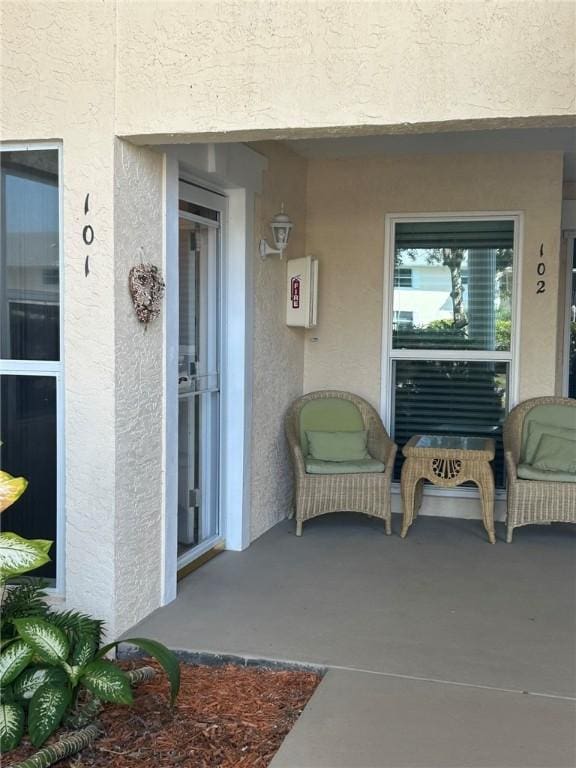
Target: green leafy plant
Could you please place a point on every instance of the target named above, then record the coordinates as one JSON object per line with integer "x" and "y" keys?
{"x": 503, "y": 333}
{"x": 21, "y": 599}
{"x": 48, "y": 658}
{"x": 18, "y": 555}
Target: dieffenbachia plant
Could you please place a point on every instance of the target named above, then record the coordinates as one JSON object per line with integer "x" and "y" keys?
{"x": 47, "y": 656}
{"x": 18, "y": 555}
{"x": 42, "y": 672}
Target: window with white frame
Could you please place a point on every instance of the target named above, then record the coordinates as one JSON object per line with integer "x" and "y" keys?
{"x": 30, "y": 355}
{"x": 571, "y": 321}
{"x": 450, "y": 372}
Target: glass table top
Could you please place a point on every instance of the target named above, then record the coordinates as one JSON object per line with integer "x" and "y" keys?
{"x": 452, "y": 442}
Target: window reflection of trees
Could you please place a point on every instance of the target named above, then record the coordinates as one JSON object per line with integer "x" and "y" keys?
{"x": 482, "y": 322}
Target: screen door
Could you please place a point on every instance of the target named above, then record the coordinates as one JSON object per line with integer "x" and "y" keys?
{"x": 199, "y": 256}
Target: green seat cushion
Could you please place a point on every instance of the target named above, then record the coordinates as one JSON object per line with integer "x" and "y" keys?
{"x": 555, "y": 419}
{"x": 328, "y": 414}
{"x": 555, "y": 454}
{"x": 318, "y": 467}
{"x": 338, "y": 446}
{"x": 527, "y": 472}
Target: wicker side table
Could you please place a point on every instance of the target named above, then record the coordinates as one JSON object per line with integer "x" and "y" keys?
{"x": 447, "y": 462}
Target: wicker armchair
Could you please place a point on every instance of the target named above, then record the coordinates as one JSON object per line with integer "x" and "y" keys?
{"x": 368, "y": 493}
{"x": 535, "y": 501}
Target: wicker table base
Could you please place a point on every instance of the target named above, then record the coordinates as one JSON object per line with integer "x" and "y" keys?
{"x": 447, "y": 462}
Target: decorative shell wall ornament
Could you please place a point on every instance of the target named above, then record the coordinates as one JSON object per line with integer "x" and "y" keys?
{"x": 147, "y": 289}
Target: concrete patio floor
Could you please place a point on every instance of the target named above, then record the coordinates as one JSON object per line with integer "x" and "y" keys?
{"x": 441, "y": 649}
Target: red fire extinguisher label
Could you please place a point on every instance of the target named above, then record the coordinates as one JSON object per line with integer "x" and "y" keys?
{"x": 295, "y": 292}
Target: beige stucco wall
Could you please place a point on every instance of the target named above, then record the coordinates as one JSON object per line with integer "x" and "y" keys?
{"x": 199, "y": 67}
{"x": 278, "y": 364}
{"x": 203, "y": 66}
{"x": 139, "y": 387}
{"x": 346, "y": 205}
{"x": 57, "y": 83}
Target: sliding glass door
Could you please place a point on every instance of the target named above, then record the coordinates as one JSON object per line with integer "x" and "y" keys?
{"x": 199, "y": 266}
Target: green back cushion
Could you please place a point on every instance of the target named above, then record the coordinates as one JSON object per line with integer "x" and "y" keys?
{"x": 330, "y": 414}
{"x": 337, "y": 446}
{"x": 556, "y": 454}
{"x": 558, "y": 420}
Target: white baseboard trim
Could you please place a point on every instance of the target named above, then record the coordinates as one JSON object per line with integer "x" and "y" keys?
{"x": 463, "y": 507}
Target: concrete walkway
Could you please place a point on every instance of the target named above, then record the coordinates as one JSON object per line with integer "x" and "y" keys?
{"x": 441, "y": 650}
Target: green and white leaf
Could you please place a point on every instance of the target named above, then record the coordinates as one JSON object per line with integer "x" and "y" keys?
{"x": 13, "y": 660}
{"x": 18, "y": 555}
{"x": 26, "y": 685}
{"x": 48, "y": 642}
{"x": 83, "y": 652}
{"x": 164, "y": 656}
{"x": 106, "y": 681}
{"x": 11, "y": 726}
{"x": 74, "y": 673}
{"x": 47, "y": 708}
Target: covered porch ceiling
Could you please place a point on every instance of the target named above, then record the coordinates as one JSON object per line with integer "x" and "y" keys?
{"x": 520, "y": 135}
{"x": 528, "y": 139}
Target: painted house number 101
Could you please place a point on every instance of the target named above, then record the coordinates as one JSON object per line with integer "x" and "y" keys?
{"x": 541, "y": 271}
{"x": 87, "y": 234}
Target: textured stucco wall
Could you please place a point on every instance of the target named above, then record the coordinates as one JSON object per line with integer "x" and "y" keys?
{"x": 278, "y": 363}
{"x": 223, "y": 66}
{"x": 347, "y": 202}
{"x": 57, "y": 83}
{"x": 138, "y": 235}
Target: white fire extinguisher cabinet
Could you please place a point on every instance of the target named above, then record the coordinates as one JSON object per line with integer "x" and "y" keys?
{"x": 302, "y": 292}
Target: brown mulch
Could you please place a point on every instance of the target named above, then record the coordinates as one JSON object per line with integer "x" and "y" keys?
{"x": 225, "y": 716}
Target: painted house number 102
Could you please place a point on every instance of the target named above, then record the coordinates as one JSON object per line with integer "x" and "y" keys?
{"x": 541, "y": 271}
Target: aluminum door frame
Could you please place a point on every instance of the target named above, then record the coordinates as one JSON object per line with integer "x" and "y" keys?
{"x": 200, "y": 196}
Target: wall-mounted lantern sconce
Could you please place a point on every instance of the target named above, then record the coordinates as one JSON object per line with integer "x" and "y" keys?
{"x": 281, "y": 227}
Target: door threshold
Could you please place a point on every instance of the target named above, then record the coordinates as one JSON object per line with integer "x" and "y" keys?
{"x": 200, "y": 560}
